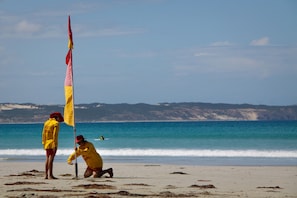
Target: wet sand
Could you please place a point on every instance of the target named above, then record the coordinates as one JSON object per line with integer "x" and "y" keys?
{"x": 26, "y": 179}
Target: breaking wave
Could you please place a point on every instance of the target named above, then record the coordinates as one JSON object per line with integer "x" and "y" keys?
{"x": 162, "y": 152}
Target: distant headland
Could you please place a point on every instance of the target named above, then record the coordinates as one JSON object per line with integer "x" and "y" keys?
{"x": 187, "y": 111}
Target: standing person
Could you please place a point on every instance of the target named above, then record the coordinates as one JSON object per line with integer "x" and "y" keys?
{"x": 50, "y": 141}
{"x": 91, "y": 157}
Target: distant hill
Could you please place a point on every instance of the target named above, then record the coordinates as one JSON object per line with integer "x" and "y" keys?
{"x": 98, "y": 112}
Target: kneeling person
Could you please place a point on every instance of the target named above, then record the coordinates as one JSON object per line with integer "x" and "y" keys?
{"x": 92, "y": 158}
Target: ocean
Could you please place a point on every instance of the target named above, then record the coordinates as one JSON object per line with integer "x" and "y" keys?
{"x": 272, "y": 143}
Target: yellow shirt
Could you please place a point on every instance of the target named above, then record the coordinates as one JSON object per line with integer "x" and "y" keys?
{"x": 50, "y": 134}
{"x": 90, "y": 155}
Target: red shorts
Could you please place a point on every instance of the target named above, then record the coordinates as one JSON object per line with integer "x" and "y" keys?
{"x": 50, "y": 152}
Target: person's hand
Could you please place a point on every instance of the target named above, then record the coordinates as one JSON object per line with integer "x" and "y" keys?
{"x": 86, "y": 149}
{"x": 70, "y": 163}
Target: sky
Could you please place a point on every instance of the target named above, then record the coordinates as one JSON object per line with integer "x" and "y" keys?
{"x": 150, "y": 51}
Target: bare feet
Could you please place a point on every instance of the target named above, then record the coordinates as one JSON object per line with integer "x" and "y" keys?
{"x": 110, "y": 172}
{"x": 51, "y": 177}
{"x": 99, "y": 174}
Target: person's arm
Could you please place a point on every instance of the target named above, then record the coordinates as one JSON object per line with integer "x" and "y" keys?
{"x": 43, "y": 136}
{"x": 76, "y": 154}
{"x": 70, "y": 158}
{"x": 55, "y": 135}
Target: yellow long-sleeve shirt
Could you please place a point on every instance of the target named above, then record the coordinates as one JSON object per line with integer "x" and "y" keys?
{"x": 90, "y": 155}
{"x": 50, "y": 134}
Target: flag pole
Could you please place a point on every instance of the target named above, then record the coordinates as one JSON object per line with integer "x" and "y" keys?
{"x": 73, "y": 106}
{"x": 69, "y": 117}
{"x": 74, "y": 127}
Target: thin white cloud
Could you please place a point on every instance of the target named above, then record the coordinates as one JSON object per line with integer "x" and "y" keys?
{"x": 13, "y": 26}
{"x": 260, "y": 42}
{"x": 32, "y": 26}
{"x": 27, "y": 30}
{"x": 147, "y": 54}
{"x": 89, "y": 32}
{"x": 221, "y": 44}
{"x": 35, "y": 28}
{"x": 27, "y": 27}
{"x": 257, "y": 63}
{"x": 203, "y": 54}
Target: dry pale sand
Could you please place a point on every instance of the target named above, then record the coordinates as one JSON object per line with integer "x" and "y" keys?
{"x": 26, "y": 179}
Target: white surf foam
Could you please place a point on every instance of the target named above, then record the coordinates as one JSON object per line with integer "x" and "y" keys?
{"x": 163, "y": 152}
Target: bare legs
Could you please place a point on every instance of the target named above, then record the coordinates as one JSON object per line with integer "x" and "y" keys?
{"x": 101, "y": 173}
{"x": 50, "y": 156}
{"x": 98, "y": 172}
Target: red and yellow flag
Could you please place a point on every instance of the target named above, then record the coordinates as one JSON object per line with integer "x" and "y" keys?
{"x": 68, "y": 86}
{"x": 70, "y": 41}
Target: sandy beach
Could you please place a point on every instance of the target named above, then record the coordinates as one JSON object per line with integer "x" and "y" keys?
{"x": 26, "y": 179}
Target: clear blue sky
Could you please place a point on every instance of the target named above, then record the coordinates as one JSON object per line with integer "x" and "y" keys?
{"x": 150, "y": 51}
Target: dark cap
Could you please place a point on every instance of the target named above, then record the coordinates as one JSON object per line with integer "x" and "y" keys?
{"x": 79, "y": 138}
{"x": 57, "y": 115}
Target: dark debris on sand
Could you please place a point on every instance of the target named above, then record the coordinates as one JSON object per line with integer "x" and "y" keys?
{"x": 31, "y": 195}
{"x": 95, "y": 186}
{"x": 24, "y": 183}
{"x": 202, "y": 186}
{"x": 40, "y": 190}
{"x": 34, "y": 171}
{"x": 22, "y": 174}
{"x": 128, "y": 194}
{"x": 179, "y": 173}
{"x": 270, "y": 187}
{"x": 66, "y": 175}
{"x": 31, "y": 173}
{"x": 136, "y": 184}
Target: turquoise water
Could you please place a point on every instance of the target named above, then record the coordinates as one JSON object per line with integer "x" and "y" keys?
{"x": 196, "y": 143}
